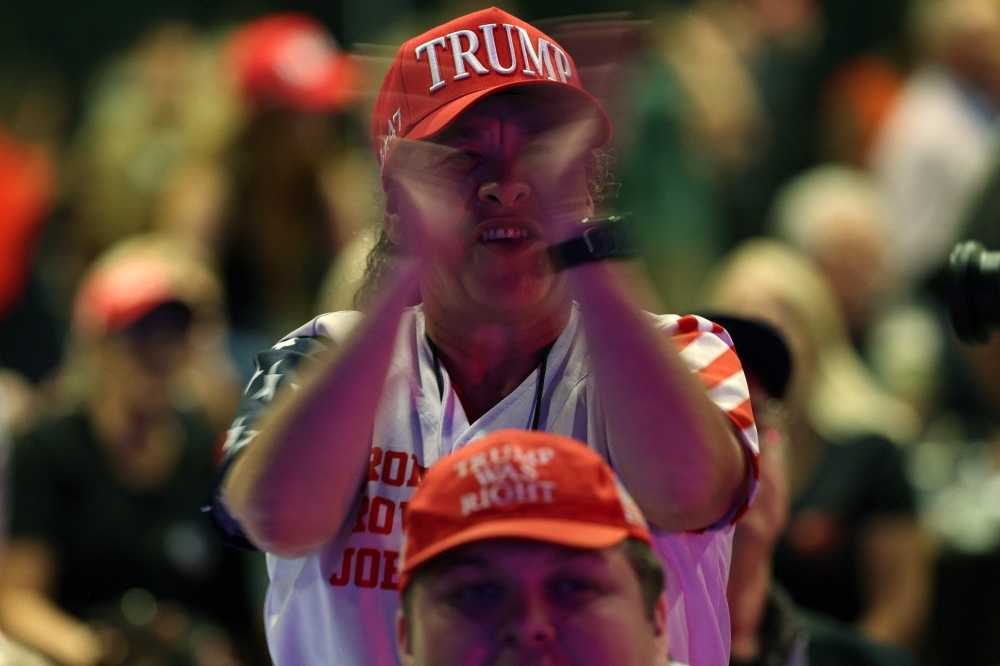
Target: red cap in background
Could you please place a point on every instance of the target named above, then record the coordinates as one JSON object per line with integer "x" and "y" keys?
{"x": 436, "y": 76}
{"x": 291, "y": 60}
{"x": 119, "y": 292}
{"x": 521, "y": 485}
{"x": 27, "y": 189}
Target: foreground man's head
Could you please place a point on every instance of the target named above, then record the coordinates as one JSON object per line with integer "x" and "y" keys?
{"x": 523, "y": 548}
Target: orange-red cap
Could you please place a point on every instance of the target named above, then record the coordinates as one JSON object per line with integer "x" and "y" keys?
{"x": 438, "y": 75}
{"x": 522, "y": 485}
{"x": 119, "y": 293}
{"x": 290, "y": 60}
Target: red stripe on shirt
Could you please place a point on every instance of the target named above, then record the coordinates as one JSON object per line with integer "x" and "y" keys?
{"x": 722, "y": 368}
{"x": 682, "y": 340}
{"x": 687, "y": 324}
{"x": 741, "y": 415}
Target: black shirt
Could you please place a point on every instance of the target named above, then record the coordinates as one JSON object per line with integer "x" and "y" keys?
{"x": 108, "y": 539}
{"x": 818, "y": 558}
{"x": 791, "y": 637}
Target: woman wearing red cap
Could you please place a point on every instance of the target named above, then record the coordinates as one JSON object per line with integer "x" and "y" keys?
{"x": 486, "y": 142}
{"x": 276, "y": 208}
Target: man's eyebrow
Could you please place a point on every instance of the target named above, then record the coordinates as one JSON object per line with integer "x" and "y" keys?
{"x": 442, "y": 568}
{"x": 572, "y": 554}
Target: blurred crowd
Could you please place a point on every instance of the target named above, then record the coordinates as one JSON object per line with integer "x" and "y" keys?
{"x": 804, "y": 163}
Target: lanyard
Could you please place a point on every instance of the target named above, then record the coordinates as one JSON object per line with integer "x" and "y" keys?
{"x": 439, "y": 377}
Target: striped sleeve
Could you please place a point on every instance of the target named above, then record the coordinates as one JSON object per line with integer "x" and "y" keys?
{"x": 275, "y": 369}
{"x": 708, "y": 351}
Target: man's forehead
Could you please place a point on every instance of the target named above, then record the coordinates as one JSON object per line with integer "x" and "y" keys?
{"x": 497, "y": 554}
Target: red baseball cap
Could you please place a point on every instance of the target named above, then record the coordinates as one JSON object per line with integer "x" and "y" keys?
{"x": 438, "y": 75}
{"x": 120, "y": 293}
{"x": 139, "y": 274}
{"x": 290, "y": 60}
{"x": 523, "y": 485}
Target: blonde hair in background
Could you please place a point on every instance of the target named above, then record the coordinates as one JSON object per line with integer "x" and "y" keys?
{"x": 843, "y": 399}
{"x": 813, "y": 204}
{"x": 164, "y": 103}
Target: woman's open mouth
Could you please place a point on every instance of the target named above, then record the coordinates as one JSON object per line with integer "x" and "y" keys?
{"x": 505, "y": 234}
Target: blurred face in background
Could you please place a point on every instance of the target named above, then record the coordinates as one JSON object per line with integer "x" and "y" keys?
{"x": 852, "y": 254}
{"x": 973, "y": 43}
{"x": 136, "y": 365}
{"x": 766, "y": 518}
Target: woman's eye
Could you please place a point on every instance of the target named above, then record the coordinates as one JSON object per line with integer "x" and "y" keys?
{"x": 536, "y": 150}
{"x": 462, "y": 156}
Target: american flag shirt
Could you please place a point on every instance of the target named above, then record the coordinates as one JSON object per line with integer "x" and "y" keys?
{"x": 338, "y": 605}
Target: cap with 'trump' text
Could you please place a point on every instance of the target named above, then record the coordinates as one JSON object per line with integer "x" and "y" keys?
{"x": 522, "y": 485}
{"x": 438, "y": 75}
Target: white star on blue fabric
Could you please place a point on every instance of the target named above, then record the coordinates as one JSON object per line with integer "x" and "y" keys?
{"x": 235, "y": 437}
{"x": 257, "y": 373}
{"x": 285, "y": 343}
{"x": 266, "y": 393}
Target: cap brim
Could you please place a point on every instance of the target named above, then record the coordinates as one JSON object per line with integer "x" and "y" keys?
{"x": 131, "y": 315}
{"x": 572, "y": 534}
{"x": 439, "y": 119}
{"x": 123, "y": 291}
{"x": 761, "y": 349}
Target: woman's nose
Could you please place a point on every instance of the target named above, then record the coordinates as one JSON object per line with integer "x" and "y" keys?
{"x": 507, "y": 193}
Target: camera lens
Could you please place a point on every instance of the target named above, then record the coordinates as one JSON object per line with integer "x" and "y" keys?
{"x": 974, "y": 291}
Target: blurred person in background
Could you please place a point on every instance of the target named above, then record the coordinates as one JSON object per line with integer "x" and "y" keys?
{"x": 30, "y": 344}
{"x": 695, "y": 119}
{"x": 779, "y": 42}
{"x": 768, "y": 628}
{"x": 853, "y": 548}
{"x": 162, "y": 104}
{"x": 280, "y": 204}
{"x": 934, "y": 149}
{"x": 105, "y": 495}
{"x": 837, "y": 216}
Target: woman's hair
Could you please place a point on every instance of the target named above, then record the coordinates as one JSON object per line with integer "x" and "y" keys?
{"x": 819, "y": 200}
{"x": 600, "y": 183}
{"x": 844, "y": 400}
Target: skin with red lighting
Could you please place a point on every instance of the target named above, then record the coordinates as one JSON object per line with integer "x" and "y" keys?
{"x": 507, "y": 602}
{"x": 474, "y": 210}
